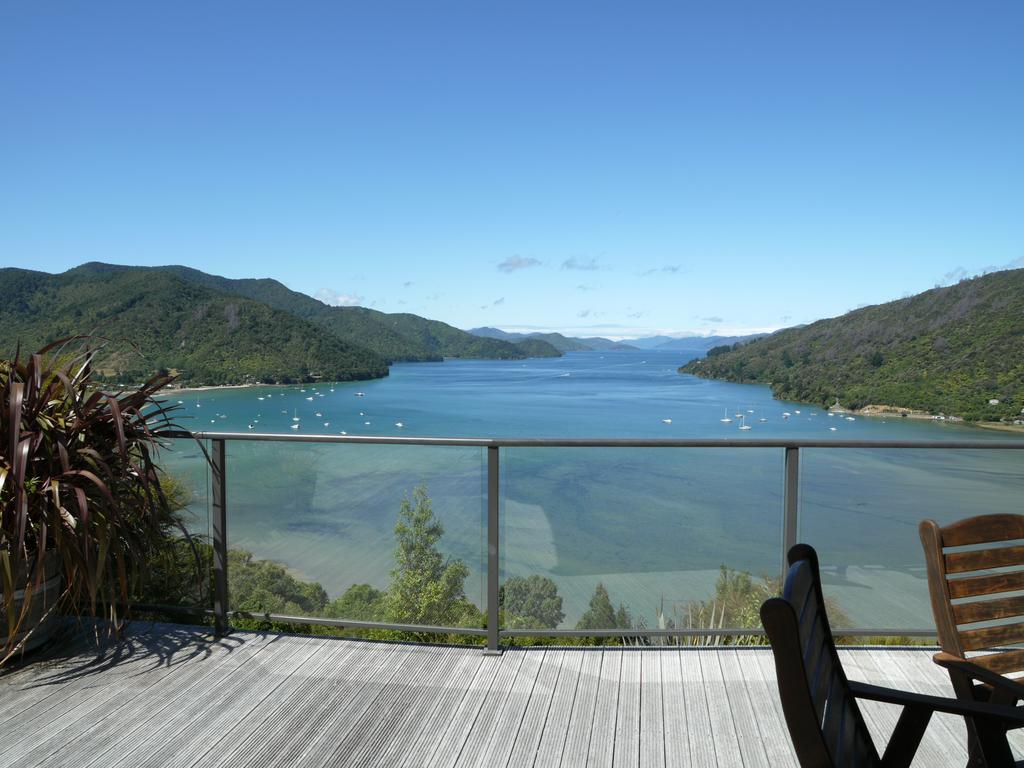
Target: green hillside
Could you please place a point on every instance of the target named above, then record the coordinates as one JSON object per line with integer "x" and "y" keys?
{"x": 395, "y": 337}
{"x": 948, "y": 350}
{"x": 156, "y": 321}
{"x": 214, "y": 330}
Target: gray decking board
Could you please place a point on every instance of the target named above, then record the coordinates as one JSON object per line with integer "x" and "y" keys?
{"x": 601, "y": 749}
{"x": 486, "y": 688}
{"x": 437, "y": 711}
{"x": 744, "y": 716}
{"x": 758, "y": 666}
{"x": 276, "y": 716}
{"x": 535, "y": 717}
{"x": 387, "y": 710}
{"x": 677, "y": 748}
{"x": 123, "y": 684}
{"x": 555, "y": 729}
{"x": 652, "y": 715}
{"x": 627, "y": 712}
{"x": 397, "y": 713}
{"x": 500, "y": 707}
{"x": 700, "y": 741}
{"x": 280, "y": 700}
{"x": 293, "y": 730}
{"x": 193, "y": 724}
{"x": 581, "y": 719}
{"x": 158, "y": 695}
{"x": 510, "y": 723}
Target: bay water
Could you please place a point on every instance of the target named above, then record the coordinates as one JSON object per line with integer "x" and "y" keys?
{"x": 653, "y": 525}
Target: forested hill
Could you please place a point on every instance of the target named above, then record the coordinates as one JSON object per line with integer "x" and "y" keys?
{"x": 157, "y": 321}
{"x": 218, "y": 331}
{"x": 949, "y": 350}
{"x": 396, "y": 337}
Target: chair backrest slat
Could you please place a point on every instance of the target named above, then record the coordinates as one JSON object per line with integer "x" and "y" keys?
{"x": 976, "y": 586}
{"x": 991, "y": 637}
{"x": 983, "y": 559}
{"x": 824, "y": 720}
{"x": 983, "y": 529}
{"x": 989, "y": 610}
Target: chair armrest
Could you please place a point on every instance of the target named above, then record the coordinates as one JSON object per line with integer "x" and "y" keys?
{"x": 977, "y": 672}
{"x": 938, "y": 703}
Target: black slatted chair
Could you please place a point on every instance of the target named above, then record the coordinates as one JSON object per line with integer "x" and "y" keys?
{"x": 820, "y": 703}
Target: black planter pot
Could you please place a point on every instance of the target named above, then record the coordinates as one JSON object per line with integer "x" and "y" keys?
{"x": 42, "y": 621}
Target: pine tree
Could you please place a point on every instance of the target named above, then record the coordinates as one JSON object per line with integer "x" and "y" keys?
{"x": 426, "y": 588}
{"x": 600, "y": 614}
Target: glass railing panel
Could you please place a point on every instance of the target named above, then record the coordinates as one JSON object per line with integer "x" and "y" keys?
{"x": 860, "y": 509}
{"x": 614, "y": 538}
{"x": 182, "y": 575}
{"x": 312, "y": 531}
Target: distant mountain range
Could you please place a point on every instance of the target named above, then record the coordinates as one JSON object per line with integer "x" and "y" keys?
{"x": 213, "y": 330}
{"x": 557, "y": 340}
{"x": 957, "y": 350}
{"x": 699, "y": 344}
{"x": 689, "y": 347}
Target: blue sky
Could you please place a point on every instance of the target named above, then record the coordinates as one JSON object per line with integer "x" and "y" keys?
{"x": 622, "y": 169}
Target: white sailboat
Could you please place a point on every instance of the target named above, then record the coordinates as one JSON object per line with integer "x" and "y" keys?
{"x": 743, "y": 423}
{"x": 295, "y": 415}
{"x": 725, "y": 418}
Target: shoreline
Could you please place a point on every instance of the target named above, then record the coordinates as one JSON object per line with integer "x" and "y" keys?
{"x": 209, "y": 387}
{"x": 894, "y": 411}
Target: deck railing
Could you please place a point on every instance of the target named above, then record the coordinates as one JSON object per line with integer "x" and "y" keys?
{"x": 494, "y": 633}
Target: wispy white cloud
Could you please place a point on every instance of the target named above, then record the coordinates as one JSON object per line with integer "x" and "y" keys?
{"x": 712, "y": 319}
{"x": 336, "y": 299}
{"x": 584, "y": 265}
{"x": 586, "y": 287}
{"x": 515, "y": 263}
{"x": 667, "y": 269}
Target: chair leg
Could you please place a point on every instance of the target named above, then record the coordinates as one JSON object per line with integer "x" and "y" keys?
{"x": 991, "y": 746}
{"x": 974, "y": 757}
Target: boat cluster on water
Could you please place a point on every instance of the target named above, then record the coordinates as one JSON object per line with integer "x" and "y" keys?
{"x": 741, "y": 418}
{"x": 314, "y": 393}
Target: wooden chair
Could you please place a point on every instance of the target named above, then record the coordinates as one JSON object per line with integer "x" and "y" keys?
{"x": 820, "y": 703}
{"x": 966, "y": 576}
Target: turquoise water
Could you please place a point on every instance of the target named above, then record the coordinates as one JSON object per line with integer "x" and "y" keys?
{"x": 652, "y": 525}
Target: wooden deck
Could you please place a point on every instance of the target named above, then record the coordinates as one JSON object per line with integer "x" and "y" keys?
{"x": 170, "y": 696}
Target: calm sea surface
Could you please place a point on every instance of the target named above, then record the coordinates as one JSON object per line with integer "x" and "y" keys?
{"x": 653, "y": 525}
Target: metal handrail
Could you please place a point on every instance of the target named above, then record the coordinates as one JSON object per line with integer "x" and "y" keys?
{"x": 601, "y": 442}
{"x": 494, "y": 633}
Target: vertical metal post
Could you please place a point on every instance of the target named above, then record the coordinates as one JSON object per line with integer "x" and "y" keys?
{"x": 220, "y": 538}
{"x": 493, "y": 562}
{"x": 791, "y": 504}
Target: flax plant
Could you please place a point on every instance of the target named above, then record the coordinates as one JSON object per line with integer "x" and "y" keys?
{"x": 78, "y": 478}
